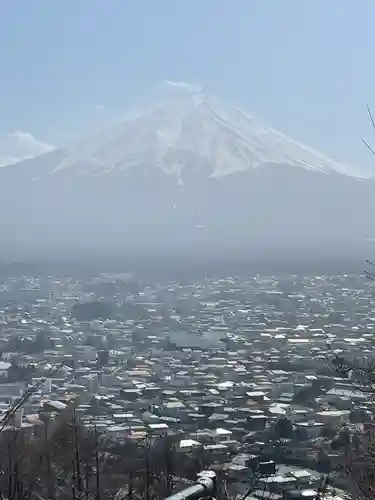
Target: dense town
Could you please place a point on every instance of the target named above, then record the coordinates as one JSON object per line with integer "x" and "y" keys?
{"x": 237, "y": 373}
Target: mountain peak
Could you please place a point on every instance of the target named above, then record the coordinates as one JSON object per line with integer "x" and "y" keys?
{"x": 182, "y": 87}
{"x": 178, "y": 94}
{"x": 184, "y": 131}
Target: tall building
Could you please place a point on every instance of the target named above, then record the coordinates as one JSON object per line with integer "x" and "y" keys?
{"x": 102, "y": 357}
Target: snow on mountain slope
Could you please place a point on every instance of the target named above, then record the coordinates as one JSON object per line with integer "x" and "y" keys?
{"x": 119, "y": 190}
{"x": 19, "y": 146}
{"x": 184, "y": 130}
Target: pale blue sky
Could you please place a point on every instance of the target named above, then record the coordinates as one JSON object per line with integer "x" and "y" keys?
{"x": 305, "y": 66}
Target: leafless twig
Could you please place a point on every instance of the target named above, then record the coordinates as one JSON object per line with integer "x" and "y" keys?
{"x": 370, "y": 148}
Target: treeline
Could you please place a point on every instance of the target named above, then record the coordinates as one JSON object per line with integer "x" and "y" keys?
{"x": 80, "y": 463}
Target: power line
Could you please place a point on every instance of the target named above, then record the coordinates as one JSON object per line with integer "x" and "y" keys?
{"x": 26, "y": 395}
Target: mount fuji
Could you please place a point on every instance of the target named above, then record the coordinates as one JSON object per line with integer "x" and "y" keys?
{"x": 182, "y": 175}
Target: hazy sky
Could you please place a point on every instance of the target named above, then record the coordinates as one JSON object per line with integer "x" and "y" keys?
{"x": 305, "y": 66}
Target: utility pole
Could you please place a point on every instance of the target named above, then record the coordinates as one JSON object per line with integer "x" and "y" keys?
{"x": 147, "y": 468}
{"x": 97, "y": 465}
{"x": 77, "y": 469}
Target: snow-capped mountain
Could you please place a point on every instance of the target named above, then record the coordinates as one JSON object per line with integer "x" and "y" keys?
{"x": 185, "y": 174}
{"x": 18, "y": 146}
{"x": 186, "y": 130}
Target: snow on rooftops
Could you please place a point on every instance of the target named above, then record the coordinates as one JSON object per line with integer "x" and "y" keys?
{"x": 158, "y": 426}
{"x": 57, "y": 405}
{"x": 189, "y": 443}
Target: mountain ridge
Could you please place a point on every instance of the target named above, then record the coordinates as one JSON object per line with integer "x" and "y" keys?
{"x": 18, "y": 146}
{"x": 186, "y": 122}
